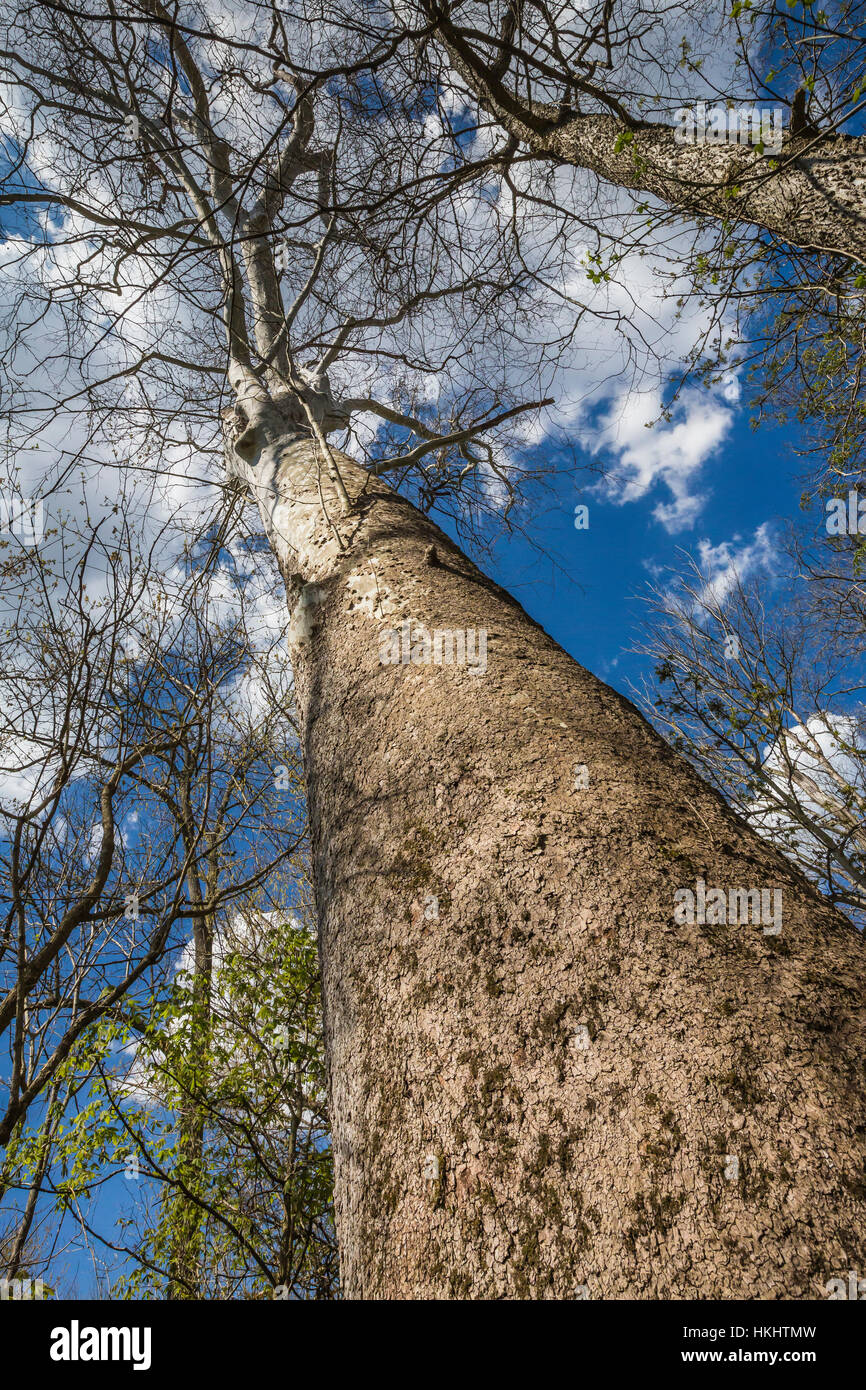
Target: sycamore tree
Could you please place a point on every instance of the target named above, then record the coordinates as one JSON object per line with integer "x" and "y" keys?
{"x": 546, "y": 1079}
{"x": 744, "y": 119}
{"x": 732, "y": 112}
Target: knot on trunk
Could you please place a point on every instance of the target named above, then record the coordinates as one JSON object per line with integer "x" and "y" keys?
{"x": 248, "y": 427}
{"x": 317, "y": 393}
{"x": 254, "y": 421}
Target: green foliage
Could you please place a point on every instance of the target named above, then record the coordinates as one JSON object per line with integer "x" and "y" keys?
{"x": 813, "y": 372}
{"x": 222, "y": 1118}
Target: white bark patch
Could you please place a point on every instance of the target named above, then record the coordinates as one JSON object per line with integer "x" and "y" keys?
{"x": 295, "y": 531}
{"x": 305, "y": 615}
{"x": 371, "y": 597}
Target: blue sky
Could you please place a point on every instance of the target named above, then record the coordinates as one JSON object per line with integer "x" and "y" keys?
{"x": 587, "y": 594}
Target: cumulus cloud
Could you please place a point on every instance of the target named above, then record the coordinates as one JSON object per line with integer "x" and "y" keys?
{"x": 698, "y": 593}
{"x": 821, "y": 766}
{"x": 826, "y": 750}
{"x": 672, "y": 455}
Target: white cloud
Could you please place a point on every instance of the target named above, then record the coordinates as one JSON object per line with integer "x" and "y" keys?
{"x": 672, "y": 455}
{"x": 733, "y": 560}
{"x": 820, "y": 765}
{"x": 25, "y": 774}
{"x": 827, "y": 746}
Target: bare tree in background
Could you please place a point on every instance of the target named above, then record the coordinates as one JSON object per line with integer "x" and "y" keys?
{"x": 764, "y": 695}
{"x": 538, "y": 1072}
{"x": 150, "y": 796}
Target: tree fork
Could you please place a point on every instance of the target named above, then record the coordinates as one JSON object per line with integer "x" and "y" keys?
{"x": 542, "y": 1085}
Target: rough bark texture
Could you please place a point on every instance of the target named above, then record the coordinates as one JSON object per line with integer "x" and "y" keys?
{"x": 538, "y": 1093}
{"x": 815, "y": 199}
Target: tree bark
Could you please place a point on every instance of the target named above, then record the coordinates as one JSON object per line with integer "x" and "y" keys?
{"x": 814, "y": 199}
{"x": 546, "y": 1091}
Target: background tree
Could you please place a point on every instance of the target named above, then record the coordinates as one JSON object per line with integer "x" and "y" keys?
{"x": 252, "y": 1214}
{"x": 763, "y": 693}
{"x": 775, "y": 258}
{"x": 602, "y": 89}
{"x": 152, "y": 792}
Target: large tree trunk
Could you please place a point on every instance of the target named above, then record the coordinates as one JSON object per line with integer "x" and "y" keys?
{"x": 551, "y": 1089}
{"x": 815, "y": 201}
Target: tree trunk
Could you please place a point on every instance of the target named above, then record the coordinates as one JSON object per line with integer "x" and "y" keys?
{"x": 815, "y": 199}
{"x": 551, "y": 1089}
{"x": 183, "y": 1215}
{"x": 812, "y": 197}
